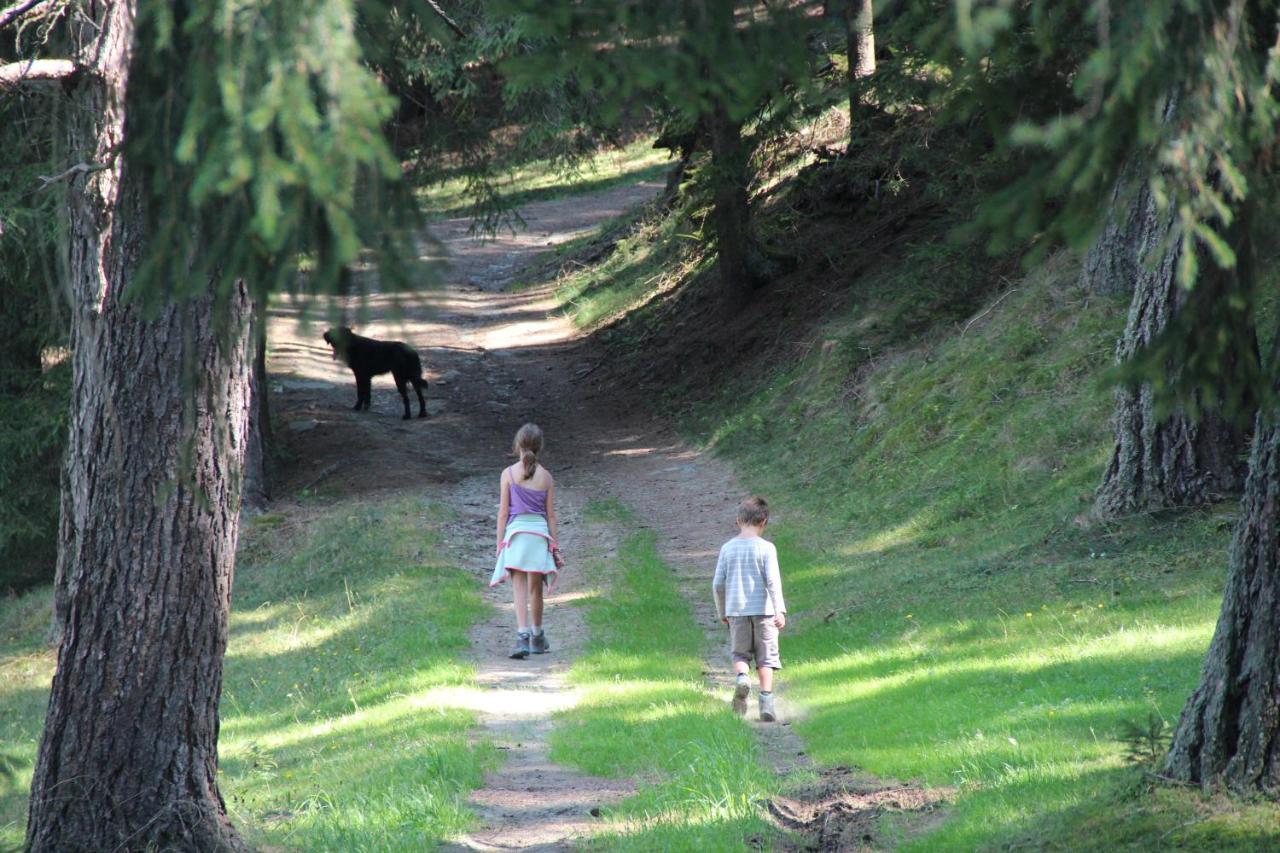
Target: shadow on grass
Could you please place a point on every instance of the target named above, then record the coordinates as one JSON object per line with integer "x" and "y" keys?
{"x": 566, "y": 188}
{"x": 1124, "y": 808}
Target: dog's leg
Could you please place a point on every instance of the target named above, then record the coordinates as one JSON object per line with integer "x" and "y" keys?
{"x": 403, "y": 387}
{"x": 420, "y": 385}
{"x": 363, "y": 381}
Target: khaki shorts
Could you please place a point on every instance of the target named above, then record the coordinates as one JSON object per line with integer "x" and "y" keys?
{"x": 754, "y": 636}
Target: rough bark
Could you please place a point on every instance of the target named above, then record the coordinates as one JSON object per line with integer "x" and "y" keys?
{"x": 730, "y": 174}
{"x": 1133, "y": 232}
{"x": 859, "y": 25}
{"x": 257, "y": 493}
{"x": 1175, "y": 460}
{"x": 731, "y": 213}
{"x": 1229, "y": 732}
{"x": 128, "y": 758}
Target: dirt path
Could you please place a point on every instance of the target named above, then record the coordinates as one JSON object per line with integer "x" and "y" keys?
{"x": 495, "y": 359}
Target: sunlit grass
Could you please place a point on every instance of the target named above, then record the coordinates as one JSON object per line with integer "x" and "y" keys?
{"x": 646, "y": 714}
{"x": 957, "y": 617}
{"x": 648, "y": 259}
{"x": 542, "y": 180}
{"x": 341, "y": 629}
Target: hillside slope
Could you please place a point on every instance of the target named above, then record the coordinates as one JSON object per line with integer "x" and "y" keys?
{"x": 930, "y": 425}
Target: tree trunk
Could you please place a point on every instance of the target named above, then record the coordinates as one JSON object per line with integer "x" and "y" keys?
{"x": 730, "y": 171}
{"x": 257, "y": 494}
{"x": 732, "y": 210}
{"x": 1133, "y": 232}
{"x": 1175, "y": 460}
{"x": 1229, "y": 732}
{"x": 128, "y": 759}
{"x": 859, "y": 28}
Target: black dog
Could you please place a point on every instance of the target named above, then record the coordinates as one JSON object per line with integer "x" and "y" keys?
{"x": 368, "y": 358}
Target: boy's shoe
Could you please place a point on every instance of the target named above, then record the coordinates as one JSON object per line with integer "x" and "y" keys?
{"x": 767, "y": 714}
{"x": 521, "y": 649}
{"x": 539, "y": 644}
{"x": 740, "y": 691}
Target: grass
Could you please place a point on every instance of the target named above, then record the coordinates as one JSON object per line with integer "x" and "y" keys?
{"x": 542, "y": 180}
{"x": 957, "y": 616}
{"x": 646, "y": 714}
{"x": 646, "y": 260}
{"x": 340, "y": 629}
{"x": 931, "y": 449}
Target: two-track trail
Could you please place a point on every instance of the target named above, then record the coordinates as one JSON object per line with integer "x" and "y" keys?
{"x": 495, "y": 359}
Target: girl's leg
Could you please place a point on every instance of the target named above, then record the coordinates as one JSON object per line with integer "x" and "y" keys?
{"x": 520, "y": 591}
{"x": 535, "y": 585}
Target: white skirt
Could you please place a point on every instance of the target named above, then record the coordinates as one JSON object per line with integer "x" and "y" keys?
{"x": 526, "y": 547}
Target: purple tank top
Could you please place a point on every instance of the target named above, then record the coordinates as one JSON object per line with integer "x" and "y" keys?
{"x": 525, "y": 500}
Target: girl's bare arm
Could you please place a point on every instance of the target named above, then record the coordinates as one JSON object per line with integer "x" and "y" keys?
{"x": 551, "y": 511}
{"x": 504, "y": 509}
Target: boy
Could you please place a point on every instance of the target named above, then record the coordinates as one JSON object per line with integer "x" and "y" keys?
{"x": 748, "y": 593}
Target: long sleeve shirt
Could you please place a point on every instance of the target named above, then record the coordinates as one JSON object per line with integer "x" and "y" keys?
{"x": 747, "y": 580}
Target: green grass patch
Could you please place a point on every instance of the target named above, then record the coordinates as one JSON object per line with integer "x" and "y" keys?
{"x": 649, "y": 258}
{"x": 647, "y": 714}
{"x": 340, "y": 628}
{"x": 607, "y": 510}
{"x": 546, "y": 179}
{"x": 957, "y": 617}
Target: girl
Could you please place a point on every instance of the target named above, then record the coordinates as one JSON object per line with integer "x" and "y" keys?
{"x": 527, "y": 539}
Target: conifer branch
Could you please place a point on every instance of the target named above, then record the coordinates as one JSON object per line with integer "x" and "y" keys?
{"x": 17, "y": 10}
{"x": 453, "y": 25}
{"x": 36, "y": 71}
{"x": 77, "y": 169}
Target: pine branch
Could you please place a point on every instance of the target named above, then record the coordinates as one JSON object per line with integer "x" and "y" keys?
{"x": 36, "y": 71}
{"x": 453, "y": 25}
{"x": 77, "y": 169}
{"x": 17, "y": 10}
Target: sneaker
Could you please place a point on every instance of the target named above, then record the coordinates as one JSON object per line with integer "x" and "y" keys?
{"x": 539, "y": 644}
{"x": 740, "y": 691}
{"x": 520, "y": 650}
{"x": 767, "y": 714}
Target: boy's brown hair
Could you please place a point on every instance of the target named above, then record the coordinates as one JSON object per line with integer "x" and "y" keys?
{"x": 753, "y": 512}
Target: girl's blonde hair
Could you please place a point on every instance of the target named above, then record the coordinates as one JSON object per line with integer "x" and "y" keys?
{"x": 527, "y": 446}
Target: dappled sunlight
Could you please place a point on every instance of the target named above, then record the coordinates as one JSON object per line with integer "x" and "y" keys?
{"x": 291, "y": 628}
{"x": 533, "y": 705}
{"x": 529, "y": 333}
{"x": 903, "y": 534}
{"x": 287, "y": 734}
{"x": 1127, "y": 645}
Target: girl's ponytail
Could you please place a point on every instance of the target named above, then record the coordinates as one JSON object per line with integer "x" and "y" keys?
{"x": 527, "y": 446}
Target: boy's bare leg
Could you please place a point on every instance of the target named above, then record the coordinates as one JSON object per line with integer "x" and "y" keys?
{"x": 535, "y": 596}
{"x": 520, "y": 589}
{"x": 766, "y": 677}
{"x": 740, "y": 667}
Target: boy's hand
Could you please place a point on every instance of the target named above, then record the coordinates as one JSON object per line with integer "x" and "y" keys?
{"x": 780, "y": 621}
{"x": 724, "y": 619}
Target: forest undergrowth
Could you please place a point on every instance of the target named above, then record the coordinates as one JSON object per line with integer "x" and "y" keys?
{"x": 330, "y": 740}
{"x": 931, "y": 424}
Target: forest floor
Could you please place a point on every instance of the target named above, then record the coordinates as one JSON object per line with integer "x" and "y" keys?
{"x": 497, "y": 353}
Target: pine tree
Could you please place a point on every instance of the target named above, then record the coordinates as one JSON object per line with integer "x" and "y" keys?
{"x": 712, "y": 64}
{"x": 210, "y": 144}
{"x": 1211, "y": 169}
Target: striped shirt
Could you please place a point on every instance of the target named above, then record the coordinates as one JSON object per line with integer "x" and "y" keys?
{"x": 747, "y": 581}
